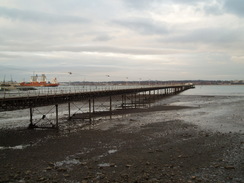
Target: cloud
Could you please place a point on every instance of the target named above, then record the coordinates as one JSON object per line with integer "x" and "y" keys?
{"x": 144, "y": 26}
{"x": 208, "y": 36}
{"x": 32, "y": 16}
{"x": 123, "y": 38}
{"x": 235, "y": 7}
{"x": 103, "y": 37}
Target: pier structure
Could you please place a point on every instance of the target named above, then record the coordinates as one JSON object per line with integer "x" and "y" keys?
{"x": 94, "y": 103}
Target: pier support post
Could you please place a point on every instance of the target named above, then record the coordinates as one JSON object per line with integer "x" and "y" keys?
{"x": 123, "y": 101}
{"x": 135, "y": 100}
{"x": 69, "y": 110}
{"x": 56, "y": 115}
{"x": 93, "y": 106}
{"x": 31, "y": 125}
{"x": 90, "y": 109}
{"x": 110, "y": 106}
{"x": 31, "y": 116}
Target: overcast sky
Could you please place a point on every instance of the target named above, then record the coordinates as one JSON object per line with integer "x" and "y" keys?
{"x": 125, "y": 39}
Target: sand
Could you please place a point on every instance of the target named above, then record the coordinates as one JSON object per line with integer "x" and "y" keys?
{"x": 179, "y": 139}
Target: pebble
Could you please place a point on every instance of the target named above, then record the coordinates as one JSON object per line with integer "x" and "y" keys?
{"x": 49, "y": 168}
{"x": 41, "y": 179}
{"x": 112, "y": 165}
{"x": 229, "y": 167}
{"x": 28, "y": 172}
{"x": 62, "y": 169}
{"x": 83, "y": 163}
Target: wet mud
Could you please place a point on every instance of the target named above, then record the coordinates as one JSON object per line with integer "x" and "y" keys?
{"x": 180, "y": 139}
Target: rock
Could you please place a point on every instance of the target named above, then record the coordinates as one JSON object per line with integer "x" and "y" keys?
{"x": 51, "y": 164}
{"x": 28, "y": 172}
{"x": 159, "y": 150}
{"x": 128, "y": 166}
{"x": 112, "y": 165}
{"x": 229, "y": 167}
{"x": 41, "y": 179}
{"x": 216, "y": 166}
{"x": 153, "y": 180}
{"x": 62, "y": 169}
{"x": 49, "y": 168}
{"x": 125, "y": 176}
{"x": 83, "y": 163}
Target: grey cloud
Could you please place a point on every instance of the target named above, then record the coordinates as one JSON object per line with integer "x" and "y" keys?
{"x": 235, "y": 7}
{"x": 213, "y": 9}
{"x": 139, "y": 4}
{"x": 17, "y": 14}
{"x": 189, "y": 1}
{"x": 103, "y": 38}
{"x": 209, "y": 36}
{"x": 148, "y": 4}
{"x": 144, "y": 26}
{"x": 225, "y": 6}
{"x": 100, "y": 49}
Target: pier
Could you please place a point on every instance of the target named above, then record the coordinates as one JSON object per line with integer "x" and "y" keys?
{"x": 127, "y": 98}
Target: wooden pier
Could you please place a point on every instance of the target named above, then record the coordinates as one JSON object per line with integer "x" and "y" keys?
{"x": 133, "y": 98}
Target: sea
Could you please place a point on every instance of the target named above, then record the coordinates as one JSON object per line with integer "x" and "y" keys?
{"x": 216, "y": 90}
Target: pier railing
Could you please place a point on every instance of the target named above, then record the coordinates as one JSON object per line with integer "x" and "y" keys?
{"x": 38, "y": 98}
{"x": 129, "y": 96}
{"x": 46, "y": 91}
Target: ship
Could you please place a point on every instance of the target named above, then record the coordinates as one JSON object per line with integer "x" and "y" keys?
{"x": 42, "y": 82}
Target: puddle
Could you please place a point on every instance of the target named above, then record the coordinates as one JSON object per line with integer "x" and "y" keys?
{"x": 18, "y": 147}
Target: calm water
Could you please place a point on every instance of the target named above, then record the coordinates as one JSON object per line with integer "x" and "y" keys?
{"x": 221, "y": 90}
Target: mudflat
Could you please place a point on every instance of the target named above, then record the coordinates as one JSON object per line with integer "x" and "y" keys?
{"x": 180, "y": 139}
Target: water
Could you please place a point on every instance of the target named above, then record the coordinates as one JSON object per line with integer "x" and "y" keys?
{"x": 216, "y": 90}
{"x": 218, "y": 107}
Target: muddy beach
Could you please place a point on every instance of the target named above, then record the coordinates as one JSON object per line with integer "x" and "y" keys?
{"x": 179, "y": 139}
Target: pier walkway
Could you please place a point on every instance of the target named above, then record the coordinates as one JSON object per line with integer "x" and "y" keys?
{"x": 129, "y": 97}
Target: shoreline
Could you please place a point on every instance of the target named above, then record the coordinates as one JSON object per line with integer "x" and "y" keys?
{"x": 166, "y": 144}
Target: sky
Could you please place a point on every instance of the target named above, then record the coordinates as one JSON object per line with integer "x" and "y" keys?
{"x": 118, "y": 40}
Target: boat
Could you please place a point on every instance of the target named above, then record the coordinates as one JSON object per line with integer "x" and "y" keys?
{"x": 7, "y": 86}
{"x": 13, "y": 85}
{"x": 35, "y": 82}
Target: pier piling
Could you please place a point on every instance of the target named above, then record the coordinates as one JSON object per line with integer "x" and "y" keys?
{"x": 129, "y": 98}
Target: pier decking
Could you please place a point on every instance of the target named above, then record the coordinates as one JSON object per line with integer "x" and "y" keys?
{"x": 136, "y": 95}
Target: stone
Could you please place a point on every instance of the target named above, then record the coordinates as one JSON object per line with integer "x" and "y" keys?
{"x": 41, "y": 179}
{"x": 49, "y": 168}
{"x": 28, "y": 172}
{"x": 83, "y": 163}
{"x": 229, "y": 167}
{"x": 112, "y": 165}
{"x": 62, "y": 169}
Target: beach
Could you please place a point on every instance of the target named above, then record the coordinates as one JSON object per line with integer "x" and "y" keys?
{"x": 183, "y": 138}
